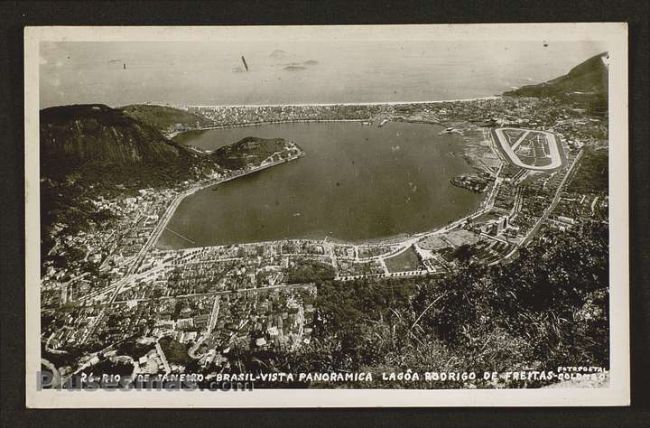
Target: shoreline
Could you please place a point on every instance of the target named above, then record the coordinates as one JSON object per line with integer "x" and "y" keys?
{"x": 396, "y": 119}
{"x": 261, "y": 123}
{"x": 185, "y": 107}
{"x": 392, "y": 240}
{"x": 169, "y": 213}
{"x": 370, "y": 103}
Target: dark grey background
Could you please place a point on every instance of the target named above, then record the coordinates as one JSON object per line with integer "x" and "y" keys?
{"x": 15, "y": 15}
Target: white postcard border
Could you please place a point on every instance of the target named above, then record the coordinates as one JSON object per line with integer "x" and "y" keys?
{"x": 618, "y": 392}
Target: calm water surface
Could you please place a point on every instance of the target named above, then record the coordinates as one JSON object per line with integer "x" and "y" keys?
{"x": 355, "y": 183}
{"x": 318, "y": 71}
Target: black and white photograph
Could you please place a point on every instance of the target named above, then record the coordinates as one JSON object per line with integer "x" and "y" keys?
{"x": 327, "y": 215}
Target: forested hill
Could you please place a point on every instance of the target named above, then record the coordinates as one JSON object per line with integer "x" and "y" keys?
{"x": 94, "y": 139}
{"x": 96, "y": 132}
{"x": 586, "y": 82}
{"x": 165, "y": 118}
{"x": 106, "y": 146}
{"x": 249, "y": 151}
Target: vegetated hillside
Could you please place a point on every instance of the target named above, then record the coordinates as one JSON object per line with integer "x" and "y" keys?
{"x": 107, "y": 145}
{"x": 164, "y": 118}
{"x": 248, "y": 151}
{"x": 585, "y": 83}
{"x": 92, "y": 150}
{"x": 100, "y": 134}
{"x": 593, "y": 172}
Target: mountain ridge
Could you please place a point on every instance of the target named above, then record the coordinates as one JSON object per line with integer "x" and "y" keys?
{"x": 585, "y": 83}
{"x": 98, "y": 133}
{"x": 164, "y": 118}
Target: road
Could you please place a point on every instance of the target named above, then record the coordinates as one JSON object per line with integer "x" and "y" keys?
{"x": 220, "y": 293}
{"x": 554, "y": 202}
{"x": 546, "y": 213}
{"x": 163, "y": 358}
{"x": 214, "y": 316}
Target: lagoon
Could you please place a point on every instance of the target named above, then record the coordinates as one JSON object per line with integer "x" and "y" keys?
{"x": 355, "y": 183}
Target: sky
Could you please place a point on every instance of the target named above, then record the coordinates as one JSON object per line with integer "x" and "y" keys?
{"x": 283, "y": 71}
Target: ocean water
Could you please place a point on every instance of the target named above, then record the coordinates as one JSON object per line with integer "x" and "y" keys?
{"x": 355, "y": 183}
{"x": 199, "y": 73}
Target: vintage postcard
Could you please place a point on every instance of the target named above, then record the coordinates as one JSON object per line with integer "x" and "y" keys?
{"x": 327, "y": 216}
